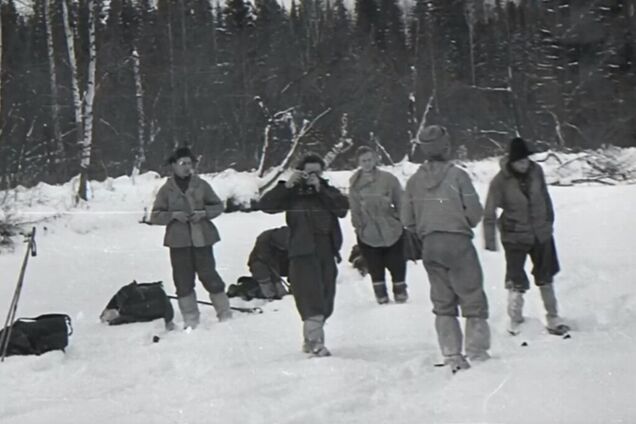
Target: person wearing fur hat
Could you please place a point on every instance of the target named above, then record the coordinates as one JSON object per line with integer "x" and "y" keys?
{"x": 186, "y": 204}
{"x": 442, "y": 207}
{"x": 526, "y": 225}
{"x": 374, "y": 197}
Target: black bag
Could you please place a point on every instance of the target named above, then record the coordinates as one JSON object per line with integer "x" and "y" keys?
{"x": 138, "y": 302}
{"x": 412, "y": 246}
{"x": 246, "y": 288}
{"x": 35, "y": 336}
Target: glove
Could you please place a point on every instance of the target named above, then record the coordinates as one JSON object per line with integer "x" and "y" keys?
{"x": 180, "y": 216}
{"x": 197, "y": 216}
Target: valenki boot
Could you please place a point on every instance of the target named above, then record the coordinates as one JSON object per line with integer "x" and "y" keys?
{"x": 449, "y": 336}
{"x": 555, "y": 324}
{"x": 515, "y": 311}
{"x": 189, "y": 310}
{"x": 314, "y": 336}
{"x": 221, "y": 305}
{"x": 477, "y": 339}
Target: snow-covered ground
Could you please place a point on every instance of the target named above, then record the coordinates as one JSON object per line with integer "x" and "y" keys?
{"x": 251, "y": 370}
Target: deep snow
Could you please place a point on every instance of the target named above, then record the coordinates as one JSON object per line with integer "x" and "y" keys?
{"x": 251, "y": 370}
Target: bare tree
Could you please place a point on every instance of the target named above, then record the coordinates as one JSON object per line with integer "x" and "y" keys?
{"x": 55, "y": 108}
{"x": 140, "y": 157}
{"x": 89, "y": 97}
{"x": 83, "y": 107}
{"x": 72, "y": 60}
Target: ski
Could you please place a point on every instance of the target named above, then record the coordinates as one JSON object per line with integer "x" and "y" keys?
{"x": 246, "y": 310}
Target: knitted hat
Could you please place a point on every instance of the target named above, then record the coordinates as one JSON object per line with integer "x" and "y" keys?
{"x": 181, "y": 152}
{"x": 518, "y": 150}
{"x": 434, "y": 142}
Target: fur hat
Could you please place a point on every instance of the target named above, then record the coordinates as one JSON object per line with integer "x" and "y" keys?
{"x": 434, "y": 142}
{"x": 181, "y": 152}
{"x": 518, "y": 150}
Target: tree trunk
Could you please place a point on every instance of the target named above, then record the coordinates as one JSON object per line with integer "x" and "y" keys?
{"x": 72, "y": 60}
{"x": 55, "y": 108}
{"x": 87, "y": 138}
{"x": 140, "y": 157}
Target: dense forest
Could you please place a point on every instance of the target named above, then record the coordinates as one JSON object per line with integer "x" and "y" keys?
{"x": 109, "y": 88}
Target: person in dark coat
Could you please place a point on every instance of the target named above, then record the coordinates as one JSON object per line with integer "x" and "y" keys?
{"x": 527, "y": 226}
{"x": 269, "y": 261}
{"x": 312, "y": 209}
{"x": 186, "y": 204}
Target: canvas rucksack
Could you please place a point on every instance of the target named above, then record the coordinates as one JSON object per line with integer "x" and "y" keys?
{"x": 138, "y": 302}
{"x": 35, "y": 336}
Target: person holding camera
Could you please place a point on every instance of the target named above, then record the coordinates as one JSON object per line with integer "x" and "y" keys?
{"x": 375, "y": 198}
{"x": 312, "y": 209}
{"x": 186, "y": 204}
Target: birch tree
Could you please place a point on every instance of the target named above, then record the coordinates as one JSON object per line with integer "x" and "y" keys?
{"x": 140, "y": 157}
{"x": 83, "y": 106}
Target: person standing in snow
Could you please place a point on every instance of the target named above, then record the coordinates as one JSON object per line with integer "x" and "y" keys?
{"x": 186, "y": 204}
{"x": 312, "y": 209}
{"x": 442, "y": 207}
{"x": 269, "y": 261}
{"x": 375, "y": 197}
{"x": 526, "y": 226}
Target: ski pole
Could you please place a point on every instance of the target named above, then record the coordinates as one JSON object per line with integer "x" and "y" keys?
{"x": 254, "y": 310}
{"x": 8, "y": 323}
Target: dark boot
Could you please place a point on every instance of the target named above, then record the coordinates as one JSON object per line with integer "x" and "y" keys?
{"x": 400, "y": 293}
{"x": 381, "y": 295}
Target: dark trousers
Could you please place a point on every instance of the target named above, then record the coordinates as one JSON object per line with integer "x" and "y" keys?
{"x": 313, "y": 280}
{"x": 455, "y": 275}
{"x": 544, "y": 260}
{"x": 380, "y": 258}
{"x": 187, "y": 262}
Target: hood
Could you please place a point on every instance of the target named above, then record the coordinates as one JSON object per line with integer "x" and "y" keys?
{"x": 434, "y": 172}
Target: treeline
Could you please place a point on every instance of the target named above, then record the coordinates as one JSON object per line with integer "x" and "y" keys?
{"x": 105, "y": 91}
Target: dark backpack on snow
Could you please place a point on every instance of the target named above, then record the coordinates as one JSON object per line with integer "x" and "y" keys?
{"x": 138, "y": 302}
{"x": 35, "y": 336}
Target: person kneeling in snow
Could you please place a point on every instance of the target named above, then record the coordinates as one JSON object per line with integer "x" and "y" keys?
{"x": 185, "y": 204}
{"x": 442, "y": 207}
{"x": 526, "y": 226}
{"x": 269, "y": 261}
{"x": 312, "y": 210}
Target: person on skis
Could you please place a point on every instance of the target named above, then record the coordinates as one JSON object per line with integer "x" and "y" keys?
{"x": 442, "y": 207}
{"x": 312, "y": 209}
{"x": 526, "y": 226}
{"x": 186, "y": 204}
{"x": 375, "y": 196}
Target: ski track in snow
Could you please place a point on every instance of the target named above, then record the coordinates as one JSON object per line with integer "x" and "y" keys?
{"x": 251, "y": 370}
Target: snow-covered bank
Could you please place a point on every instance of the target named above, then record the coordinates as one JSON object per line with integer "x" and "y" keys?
{"x": 250, "y": 370}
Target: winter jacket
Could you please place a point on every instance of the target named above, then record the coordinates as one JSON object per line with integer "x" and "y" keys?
{"x": 440, "y": 197}
{"x": 308, "y": 214}
{"x": 271, "y": 249}
{"x": 198, "y": 197}
{"x": 375, "y": 207}
{"x": 525, "y": 217}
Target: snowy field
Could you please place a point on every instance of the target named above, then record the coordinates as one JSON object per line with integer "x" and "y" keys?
{"x": 251, "y": 370}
